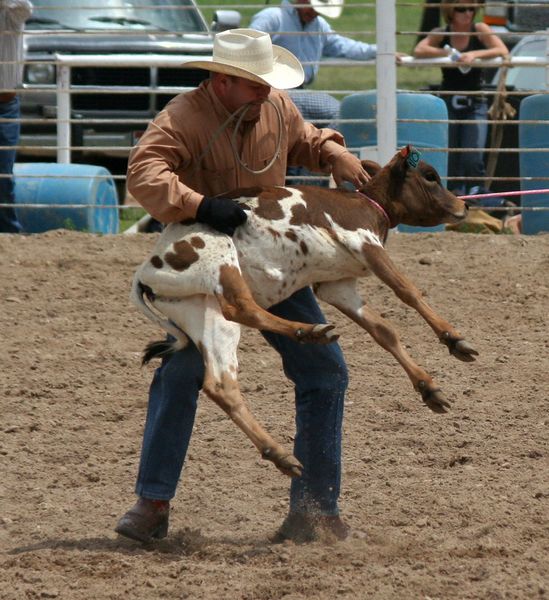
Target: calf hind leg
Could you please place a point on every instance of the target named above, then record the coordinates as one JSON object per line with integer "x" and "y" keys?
{"x": 237, "y": 304}
{"x": 222, "y": 387}
{"x": 217, "y": 340}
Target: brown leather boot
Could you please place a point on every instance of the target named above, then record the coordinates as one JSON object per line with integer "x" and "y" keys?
{"x": 146, "y": 521}
{"x": 302, "y": 528}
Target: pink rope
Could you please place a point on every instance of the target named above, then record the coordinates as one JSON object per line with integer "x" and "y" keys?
{"x": 382, "y": 211}
{"x": 498, "y": 194}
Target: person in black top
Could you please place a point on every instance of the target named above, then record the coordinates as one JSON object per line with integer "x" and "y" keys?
{"x": 464, "y": 41}
{"x": 430, "y": 17}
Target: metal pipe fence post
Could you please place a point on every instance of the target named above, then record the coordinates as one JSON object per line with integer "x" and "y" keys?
{"x": 63, "y": 112}
{"x": 547, "y": 60}
{"x": 386, "y": 79}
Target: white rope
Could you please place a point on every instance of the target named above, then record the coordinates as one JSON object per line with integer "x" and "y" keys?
{"x": 278, "y": 142}
{"x": 243, "y": 110}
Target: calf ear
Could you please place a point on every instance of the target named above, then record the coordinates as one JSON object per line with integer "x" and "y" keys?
{"x": 399, "y": 165}
{"x": 371, "y": 167}
{"x": 412, "y": 156}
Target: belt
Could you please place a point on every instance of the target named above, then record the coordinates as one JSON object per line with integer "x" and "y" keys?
{"x": 7, "y": 97}
{"x": 461, "y": 102}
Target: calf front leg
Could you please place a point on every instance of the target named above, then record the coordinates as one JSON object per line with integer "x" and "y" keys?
{"x": 381, "y": 264}
{"x": 344, "y": 296}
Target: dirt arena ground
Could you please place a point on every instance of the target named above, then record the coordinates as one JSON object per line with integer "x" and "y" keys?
{"x": 451, "y": 506}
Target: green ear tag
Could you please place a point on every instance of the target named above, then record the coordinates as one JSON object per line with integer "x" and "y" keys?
{"x": 413, "y": 158}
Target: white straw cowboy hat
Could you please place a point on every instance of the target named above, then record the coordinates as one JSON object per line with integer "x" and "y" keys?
{"x": 250, "y": 54}
{"x": 327, "y": 8}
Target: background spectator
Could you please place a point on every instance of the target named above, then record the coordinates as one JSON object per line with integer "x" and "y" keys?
{"x": 301, "y": 28}
{"x": 430, "y": 17}
{"x": 13, "y": 14}
{"x": 465, "y": 41}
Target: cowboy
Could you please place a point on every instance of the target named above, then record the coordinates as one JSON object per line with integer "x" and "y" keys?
{"x": 238, "y": 130}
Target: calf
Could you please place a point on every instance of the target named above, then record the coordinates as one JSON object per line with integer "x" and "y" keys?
{"x": 202, "y": 285}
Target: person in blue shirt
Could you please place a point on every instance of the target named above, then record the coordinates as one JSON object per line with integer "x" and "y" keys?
{"x": 318, "y": 39}
{"x": 301, "y": 28}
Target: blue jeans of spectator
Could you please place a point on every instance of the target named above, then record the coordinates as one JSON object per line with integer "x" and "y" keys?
{"x": 320, "y": 377}
{"x": 467, "y": 135}
{"x": 9, "y": 136}
{"x": 322, "y": 110}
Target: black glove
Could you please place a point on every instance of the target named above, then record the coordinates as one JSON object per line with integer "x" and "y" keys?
{"x": 220, "y": 213}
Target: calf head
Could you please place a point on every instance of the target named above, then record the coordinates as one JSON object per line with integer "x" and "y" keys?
{"x": 411, "y": 192}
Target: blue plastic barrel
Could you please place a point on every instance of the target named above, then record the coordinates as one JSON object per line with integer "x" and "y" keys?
{"x": 535, "y": 164}
{"x": 49, "y": 184}
{"x": 363, "y": 105}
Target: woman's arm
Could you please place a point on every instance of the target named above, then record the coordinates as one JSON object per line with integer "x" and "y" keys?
{"x": 431, "y": 46}
{"x": 494, "y": 46}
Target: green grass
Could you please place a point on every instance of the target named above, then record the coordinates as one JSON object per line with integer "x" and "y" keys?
{"x": 358, "y": 21}
{"x": 129, "y": 216}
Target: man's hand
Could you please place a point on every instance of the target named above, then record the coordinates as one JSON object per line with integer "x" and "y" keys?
{"x": 347, "y": 167}
{"x": 222, "y": 214}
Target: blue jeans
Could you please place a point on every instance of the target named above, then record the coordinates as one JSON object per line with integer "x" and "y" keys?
{"x": 9, "y": 136}
{"x": 322, "y": 110}
{"x": 320, "y": 377}
{"x": 467, "y": 135}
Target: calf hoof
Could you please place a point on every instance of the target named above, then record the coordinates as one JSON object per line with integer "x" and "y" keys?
{"x": 318, "y": 334}
{"x": 459, "y": 348}
{"x": 287, "y": 464}
{"x": 433, "y": 398}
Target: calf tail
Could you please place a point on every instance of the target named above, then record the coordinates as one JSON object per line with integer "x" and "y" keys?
{"x": 159, "y": 349}
{"x": 162, "y": 348}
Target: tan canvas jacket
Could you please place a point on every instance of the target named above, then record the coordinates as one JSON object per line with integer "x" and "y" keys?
{"x": 169, "y": 170}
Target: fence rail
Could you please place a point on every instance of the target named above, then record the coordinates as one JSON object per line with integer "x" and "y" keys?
{"x": 64, "y": 89}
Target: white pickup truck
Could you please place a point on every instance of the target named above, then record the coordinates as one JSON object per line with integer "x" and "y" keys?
{"x": 104, "y": 96}
{"x": 514, "y": 17}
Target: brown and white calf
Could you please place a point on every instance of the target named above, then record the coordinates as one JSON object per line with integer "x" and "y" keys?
{"x": 202, "y": 285}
